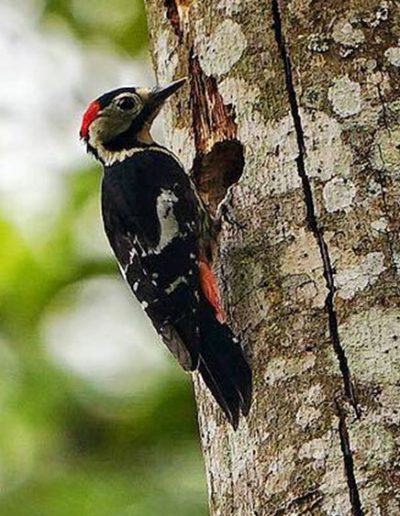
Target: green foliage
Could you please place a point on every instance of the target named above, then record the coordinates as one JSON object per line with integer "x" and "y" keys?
{"x": 66, "y": 449}
{"x": 120, "y": 23}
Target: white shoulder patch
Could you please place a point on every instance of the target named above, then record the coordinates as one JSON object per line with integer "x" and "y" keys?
{"x": 168, "y": 223}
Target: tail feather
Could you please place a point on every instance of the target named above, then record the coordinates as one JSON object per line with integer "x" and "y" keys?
{"x": 223, "y": 366}
{"x": 225, "y": 395}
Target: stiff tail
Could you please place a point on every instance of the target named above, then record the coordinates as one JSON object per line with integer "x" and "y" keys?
{"x": 223, "y": 366}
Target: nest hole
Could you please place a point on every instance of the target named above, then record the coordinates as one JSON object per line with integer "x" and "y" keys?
{"x": 217, "y": 170}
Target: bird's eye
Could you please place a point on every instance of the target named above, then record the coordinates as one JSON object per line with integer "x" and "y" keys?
{"x": 126, "y": 103}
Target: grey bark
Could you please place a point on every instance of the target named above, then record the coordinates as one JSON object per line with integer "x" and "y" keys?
{"x": 308, "y": 92}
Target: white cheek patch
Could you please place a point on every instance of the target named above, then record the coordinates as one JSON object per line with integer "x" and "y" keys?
{"x": 168, "y": 223}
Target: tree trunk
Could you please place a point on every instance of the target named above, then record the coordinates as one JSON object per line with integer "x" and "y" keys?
{"x": 307, "y": 92}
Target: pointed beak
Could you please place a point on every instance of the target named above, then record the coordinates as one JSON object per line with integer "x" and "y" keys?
{"x": 160, "y": 94}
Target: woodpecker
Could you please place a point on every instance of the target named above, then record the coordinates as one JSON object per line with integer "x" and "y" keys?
{"x": 161, "y": 233}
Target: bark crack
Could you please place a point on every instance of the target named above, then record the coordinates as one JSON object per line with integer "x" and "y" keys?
{"x": 348, "y": 462}
{"x": 311, "y": 216}
{"x": 317, "y": 230}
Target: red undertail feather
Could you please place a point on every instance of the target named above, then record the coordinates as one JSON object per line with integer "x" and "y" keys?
{"x": 210, "y": 289}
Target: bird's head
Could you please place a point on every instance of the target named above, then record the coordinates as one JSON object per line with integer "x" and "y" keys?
{"x": 121, "y": 119}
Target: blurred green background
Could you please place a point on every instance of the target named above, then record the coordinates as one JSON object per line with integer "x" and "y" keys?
{"x": 96, "y": 418}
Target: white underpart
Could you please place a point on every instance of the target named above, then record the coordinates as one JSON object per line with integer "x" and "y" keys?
{"x": 168, "y": 223}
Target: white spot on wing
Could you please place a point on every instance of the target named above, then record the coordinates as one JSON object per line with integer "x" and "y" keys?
{"x": 175, "y": 284}
{"x": 169, "y": 224}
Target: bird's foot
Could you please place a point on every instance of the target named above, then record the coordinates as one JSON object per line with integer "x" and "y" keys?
{"x": 225, "y": 213}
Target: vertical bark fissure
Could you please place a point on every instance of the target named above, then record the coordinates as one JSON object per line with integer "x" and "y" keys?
{"x": 311, "y": 216}
{"x": 349, "y": 463}
{"x": 313, "y": 226}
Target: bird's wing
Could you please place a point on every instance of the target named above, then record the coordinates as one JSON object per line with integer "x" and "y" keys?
{"x": 151, "y": 220}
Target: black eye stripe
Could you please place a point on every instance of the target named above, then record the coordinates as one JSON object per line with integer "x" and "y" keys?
{"x": 126, "y": 103}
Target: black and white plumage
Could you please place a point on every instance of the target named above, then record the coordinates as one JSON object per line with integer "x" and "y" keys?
{"x": 159, "y": 231}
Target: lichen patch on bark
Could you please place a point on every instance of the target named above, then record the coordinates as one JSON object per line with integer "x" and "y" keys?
{"x": 354, "y": 279}
{"x": 338, "y": 194}
{"x": 280, "y": 369}
{"x": 310, "y": 411}
{"x": 302, "y": 257}
{"x": 386, "y": 151}
{"x": 215, "y": 56}
{"x": 347, "y": 36}
{"x": 345, "y": 96}
{"x": 392, "y": 54}
{"x": 372, "y": 343}
{"x": 373, "y": 444}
